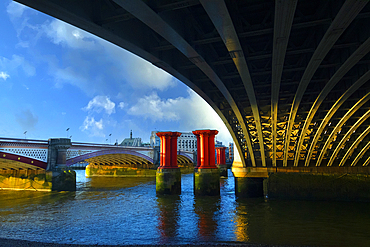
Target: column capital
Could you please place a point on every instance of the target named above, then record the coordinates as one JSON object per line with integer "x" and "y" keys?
{"x": 222, "y": 148}
{"x": 168, "y": 133}
{"x": 205, "y": 132}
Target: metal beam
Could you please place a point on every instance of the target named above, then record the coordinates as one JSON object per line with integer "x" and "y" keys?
{"x": 145, "y": 14}
{"x": 340, "y": 124}
{"x": 346, "y": 15}
{"x": 354, "y": 145}
{"x": 339, "y": 74}
{"x": 360, "y": 154}
{"x": 333, "y": 110}
{"x": 284, "y": 14}
{"x": 347, "y": 136}
{"x": 218, "y": 13}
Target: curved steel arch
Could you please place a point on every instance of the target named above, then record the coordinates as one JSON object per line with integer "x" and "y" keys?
{"x": 185, "y": 155}
{"x": 340, "y": 124}
{"x": 221, "y": 19}
{"x": 29, "y": 162}
{"x": 346, "y": 15}
{"x": 145, "y": 14}
{"x": 333, "y": 110}
{"x": 284, "y": 13}
{"x": 184, "y": 159}
{"x": 347, "y": 136}
{"x": 105, "y": 152}
{"x": 354, "y": 145}
{"x": 347, "y": 65}
{"x": 360, "y": 154}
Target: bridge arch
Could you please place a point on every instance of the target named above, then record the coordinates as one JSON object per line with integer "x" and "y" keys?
{"x": 131, "y": 156}
{"x": 15, "y": 161}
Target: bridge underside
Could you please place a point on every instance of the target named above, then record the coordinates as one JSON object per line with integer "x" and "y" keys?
{"x": 16, "y": 162}
{"x": 290, "y": 79}
{"x": 122, "y": 160}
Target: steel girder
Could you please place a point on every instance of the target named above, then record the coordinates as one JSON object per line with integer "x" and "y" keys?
{"x": 271, "y": 70}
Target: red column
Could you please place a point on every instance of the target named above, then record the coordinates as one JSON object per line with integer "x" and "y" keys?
{"x": 206, "y": 148}
{"x": 221, "y": 158}
{"x": 168, "y": 149}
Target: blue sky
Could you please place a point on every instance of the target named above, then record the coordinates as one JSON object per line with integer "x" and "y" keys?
{"x": 54, "y": 76}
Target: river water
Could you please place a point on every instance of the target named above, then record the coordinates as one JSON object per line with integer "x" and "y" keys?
{"x": 127, "y": 211}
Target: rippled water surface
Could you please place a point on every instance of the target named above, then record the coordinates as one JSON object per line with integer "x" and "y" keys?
{"x": 127, "y": 211}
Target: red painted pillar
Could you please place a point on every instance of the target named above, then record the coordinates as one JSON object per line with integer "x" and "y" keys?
{"x": 168, "y": 175}
{"x": 221, "y": 158}
{"x": 221, "y": 161}
{"x": 206, "y": 148}
{"x": 206, "y": 174}
{"x": 168, "y": 149}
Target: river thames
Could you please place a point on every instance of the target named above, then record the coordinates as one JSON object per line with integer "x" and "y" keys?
{"x": 119, "y": 211}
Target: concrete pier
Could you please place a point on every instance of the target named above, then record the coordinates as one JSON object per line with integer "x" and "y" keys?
{"x": 168, "y": 175}
{"x": 206, "y": 174}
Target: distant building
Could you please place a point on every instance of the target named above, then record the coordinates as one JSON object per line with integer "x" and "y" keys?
{"x": 132, "y": 142}
{"x": 231, "y": 151}
{"x": 186, "y": 142}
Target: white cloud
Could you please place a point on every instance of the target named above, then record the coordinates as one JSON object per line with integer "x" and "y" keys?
{"x": 121, "y": 105}
{"x": 155, "y": 108}
{"x": 4, "y": 75}
{"x": 62, "y": 33}
{"x": 15, "y": 10}
{"x": 94, "y": 128}
{"x": 17, "y": 62}
{"x": 100, "y": 103}
{"x": 192, "y": 113}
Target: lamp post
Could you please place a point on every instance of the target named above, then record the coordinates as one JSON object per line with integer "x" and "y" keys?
{"x": 67, "y": 132}
{"x": 25, "y": 136}
{"x": 110, "y": 140}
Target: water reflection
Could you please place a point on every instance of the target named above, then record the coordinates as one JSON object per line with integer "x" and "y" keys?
{"x": 127, "y": 211}
{"x": 168, "y": 217}
{"x": 206, "y": 208}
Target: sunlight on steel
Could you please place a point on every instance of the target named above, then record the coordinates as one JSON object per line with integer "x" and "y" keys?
{"x": 360, "y": 154}
{"x": 344, "y": 139}
{"x": 340, "y": 124}
{"x": 333, "y": 110}
{"x": 354, "y": 145}
{"x": 347, "y": 65}
{"x": 218, "y": 13}
{"x": 346, "y": 15}
{"x": 284, "y": 14}
{"x": 120, "y": 159}
{"x": 145, "y": 14}
{"x": 366, "y": 163}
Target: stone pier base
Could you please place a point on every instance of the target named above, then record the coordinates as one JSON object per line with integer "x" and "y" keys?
{"x": 38, "y": 180}
{"x": 168, "y": 181}
{"x": 249, "y": 187}
{"x": 223, "y": 171}
{"x": 206, "y": 182}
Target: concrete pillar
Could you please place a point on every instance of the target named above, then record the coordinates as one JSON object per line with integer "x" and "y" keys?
{"x": 249, "y": 181}
{"x": 221, "y": 161}
{"x": 206, "y": 173}
{"x": 168, "y": 176}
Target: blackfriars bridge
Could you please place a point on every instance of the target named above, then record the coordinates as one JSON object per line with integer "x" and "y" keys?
{"x": 47, "y": 154}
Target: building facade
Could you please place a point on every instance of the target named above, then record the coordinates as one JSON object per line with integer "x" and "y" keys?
{"x": 186, "y": 142}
